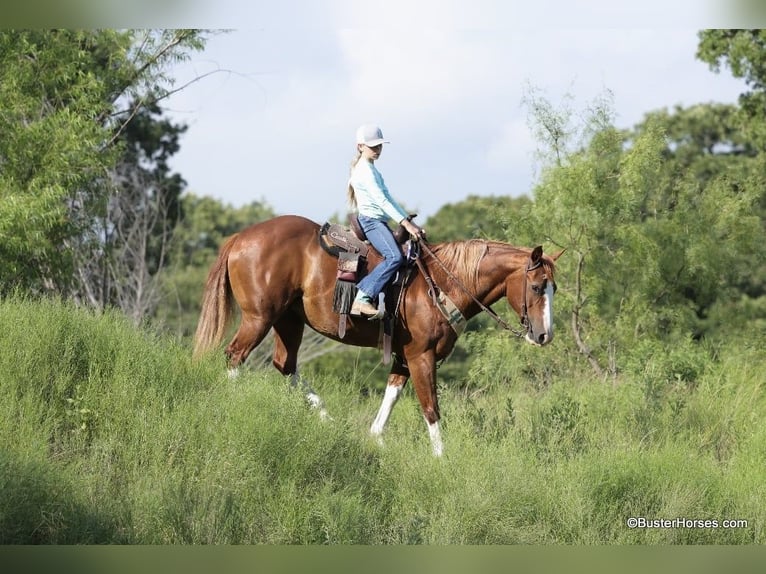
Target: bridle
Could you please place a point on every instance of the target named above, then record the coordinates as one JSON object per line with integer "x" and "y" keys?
{"x": 530, "y": 267}
{"x": 433, "y": 290}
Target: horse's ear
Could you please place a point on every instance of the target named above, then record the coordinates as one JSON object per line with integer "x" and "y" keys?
{"x": 559, "y": 254}
{"x": 537, "y": 253}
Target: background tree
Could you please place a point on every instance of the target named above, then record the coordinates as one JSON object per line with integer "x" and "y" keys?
{"x": 743, "y": 52}
{"x": 651, "y": 246}
{"x": 141, "y": 210}
{"x": 53, "y": 105}
{"x": 475, "y": 216}
{"x": 74, "y": 104}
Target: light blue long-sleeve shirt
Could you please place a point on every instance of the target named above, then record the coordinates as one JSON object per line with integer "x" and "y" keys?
{"x": 372, "y": 196}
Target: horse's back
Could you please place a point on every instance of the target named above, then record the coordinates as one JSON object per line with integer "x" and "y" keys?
{"x": 284, "y": 237}
{"x": 281, "y": 228}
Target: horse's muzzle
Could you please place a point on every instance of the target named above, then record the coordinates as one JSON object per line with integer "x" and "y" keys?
{"x": 539, "y": 339}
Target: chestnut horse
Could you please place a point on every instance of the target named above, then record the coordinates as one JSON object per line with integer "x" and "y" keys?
{"x": 281, "y": 278}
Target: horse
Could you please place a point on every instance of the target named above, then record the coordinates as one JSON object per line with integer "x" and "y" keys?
{"x": 282, "y": 279}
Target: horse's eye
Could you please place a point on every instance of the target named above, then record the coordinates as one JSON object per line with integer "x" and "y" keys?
{"x": 537, "y": 289}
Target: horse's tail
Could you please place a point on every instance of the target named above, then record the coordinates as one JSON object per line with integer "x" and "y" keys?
{"x": 217, "y": 303}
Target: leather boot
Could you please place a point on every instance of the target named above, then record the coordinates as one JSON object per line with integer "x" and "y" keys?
{"x": 363, "y": 307}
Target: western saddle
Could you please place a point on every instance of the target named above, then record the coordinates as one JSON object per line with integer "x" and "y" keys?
{"x": 351, "y": 247}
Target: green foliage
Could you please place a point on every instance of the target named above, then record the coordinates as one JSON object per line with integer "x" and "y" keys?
{"x": 207, "y": 223}
{"x": 65, "y": 130}
{"x": 110, "y": 434}
{"x": 481, "y": 217}
{"x": 651, "y": 245}
{"x": 50, "y": 99}
{"x": 744, "y": 53}
{"x": 705, "y": 140}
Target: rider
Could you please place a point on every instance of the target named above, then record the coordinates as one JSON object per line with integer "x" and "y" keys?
{"x": 369, "y": 195}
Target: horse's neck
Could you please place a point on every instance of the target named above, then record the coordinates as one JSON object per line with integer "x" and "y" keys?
{"x": 493, "y": 273}
{"x": 489, "y": 285}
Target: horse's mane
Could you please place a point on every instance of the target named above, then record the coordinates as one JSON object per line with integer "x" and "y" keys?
{"x": 464, "y": 257}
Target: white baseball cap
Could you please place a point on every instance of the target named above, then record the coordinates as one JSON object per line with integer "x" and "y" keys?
{"x": 370, "y": 135}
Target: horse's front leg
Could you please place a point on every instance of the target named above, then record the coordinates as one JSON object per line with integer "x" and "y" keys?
{"x": 396, "y": 380}
{"x": 423, "y": 371}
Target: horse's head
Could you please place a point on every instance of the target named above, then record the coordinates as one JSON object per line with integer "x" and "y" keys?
{"x": 531, "y": 295}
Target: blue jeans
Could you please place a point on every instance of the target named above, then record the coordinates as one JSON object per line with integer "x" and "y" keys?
{"x": 383, "y": 240}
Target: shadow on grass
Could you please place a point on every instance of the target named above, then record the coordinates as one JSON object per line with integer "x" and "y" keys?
{"x": 39, "y": 505}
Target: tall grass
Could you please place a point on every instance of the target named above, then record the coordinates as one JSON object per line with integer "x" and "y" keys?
{"x": 109, "y": 434}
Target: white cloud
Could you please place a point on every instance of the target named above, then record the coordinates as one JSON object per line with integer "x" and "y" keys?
{"x": 415, "y": 76}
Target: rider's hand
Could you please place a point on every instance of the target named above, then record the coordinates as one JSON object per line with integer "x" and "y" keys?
{"x": 414, "y": 230}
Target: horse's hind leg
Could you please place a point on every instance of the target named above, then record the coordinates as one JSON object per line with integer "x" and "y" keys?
{"x": 423, "y": 368}
{"x": 251, "y": 332}
{"x": 394, "y": 385}
{"x": 288, "y": 335}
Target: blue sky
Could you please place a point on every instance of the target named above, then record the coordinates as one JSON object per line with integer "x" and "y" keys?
{"x": 277, "y": 124}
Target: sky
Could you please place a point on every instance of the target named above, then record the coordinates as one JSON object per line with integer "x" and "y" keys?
{"x": 275, "y": 120}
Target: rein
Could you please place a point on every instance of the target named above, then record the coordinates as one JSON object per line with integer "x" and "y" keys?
{"x": 432, "y": 289}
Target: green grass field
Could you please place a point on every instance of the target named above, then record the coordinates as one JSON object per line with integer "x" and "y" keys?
{"x": 109, "y": 434}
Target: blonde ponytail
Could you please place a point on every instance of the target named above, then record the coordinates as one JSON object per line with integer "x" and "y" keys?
{"x": 350, "y": 195}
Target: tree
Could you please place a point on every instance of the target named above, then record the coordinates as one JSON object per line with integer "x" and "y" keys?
{"x": 475, "y": 216}
{"x": 744, "y": 53}
{"x": 68, "y": 98}
{"x": 649, "y": 246}
{"x": 141, "y": 210}
{"x": 706, "y": 143}
{"x": 51, "y": 152}
{"x": 705, "y": 139}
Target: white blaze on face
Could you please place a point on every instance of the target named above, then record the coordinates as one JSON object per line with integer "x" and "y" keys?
{"x": 548, "y": 310}
{"x": 547, "y": 326}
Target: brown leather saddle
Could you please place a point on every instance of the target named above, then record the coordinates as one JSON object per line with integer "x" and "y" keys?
{"x": 351, "y": 247}
{"x": 336, "y": 238}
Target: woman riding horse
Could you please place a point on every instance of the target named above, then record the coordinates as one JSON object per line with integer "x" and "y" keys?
{"x": 282, "y": 278}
